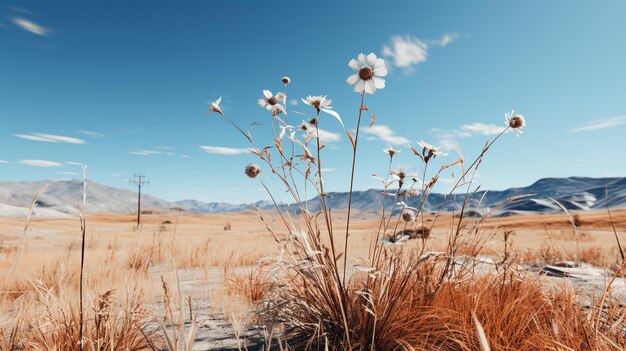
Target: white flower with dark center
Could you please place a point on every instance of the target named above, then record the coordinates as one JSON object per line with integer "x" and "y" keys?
{"x": 412, "y": 192}
{"x": 285, "y": 80}
{"x": 391, "y": 151}
{"x": 321, "y": 103}
{"x": 369, "y": 69}
{"x": 215, "y": 106}
{"x": 515, "y": 122}
{"x": 272, "y": 102}
{"x": 429, "y": 151}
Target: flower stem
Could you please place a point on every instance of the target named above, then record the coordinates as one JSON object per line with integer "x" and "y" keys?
{"x": 356, "y": 141}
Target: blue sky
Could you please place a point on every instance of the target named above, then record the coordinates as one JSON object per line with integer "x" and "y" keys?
{"x": 123, "y": 86}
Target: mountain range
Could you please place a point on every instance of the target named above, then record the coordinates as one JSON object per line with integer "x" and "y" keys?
{"x": 64, "y": 198}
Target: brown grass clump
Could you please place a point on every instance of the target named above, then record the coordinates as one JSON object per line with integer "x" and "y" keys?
{"x": 252, "y": 284}
{"x": 50, "y": 321}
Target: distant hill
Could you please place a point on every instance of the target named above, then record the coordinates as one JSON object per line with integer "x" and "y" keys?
{"x": 574, "y": 193}
{"x": 64, "y": 198}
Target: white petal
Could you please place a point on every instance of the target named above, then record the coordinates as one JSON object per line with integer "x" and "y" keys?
{"x": 334, "y": 114}
{"x": 380, "y": 69}
{"x": 370, "y": 88}
{"x": 359, "y": 86}
{"x": 217, "y": 102}
{"x": 353, "y": 64}
{"x": 280, "y": 108}
{"x": 352, "y": 79}
{"x": 305, "y": 101}
{"x": 267, "y": 94}
{"x": 262, "y": 102}
{"x": 379, "y": 82}
{"x": 361, "y": 59}
{"x": 371, "y": 59}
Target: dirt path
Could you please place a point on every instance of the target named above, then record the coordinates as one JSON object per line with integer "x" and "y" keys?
{"x": 215, "y": 331}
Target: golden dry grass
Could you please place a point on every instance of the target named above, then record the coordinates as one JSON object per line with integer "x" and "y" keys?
{"x": 39, "y": 300}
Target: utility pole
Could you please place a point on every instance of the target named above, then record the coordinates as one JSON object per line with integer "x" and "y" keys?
{"x": 140, "y": 181}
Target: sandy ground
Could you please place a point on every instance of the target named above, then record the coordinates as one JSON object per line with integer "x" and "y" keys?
{"x": 248, "y": 241}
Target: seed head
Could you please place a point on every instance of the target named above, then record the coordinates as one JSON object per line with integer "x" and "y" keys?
{"x": 412, "y": 192}
{"x": 252, "y": 170}
{"x": 408, "y": 215}
{"x": 285, "y": 80}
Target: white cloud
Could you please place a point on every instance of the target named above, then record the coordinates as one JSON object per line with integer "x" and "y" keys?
{"x": 41, "y": 163}
{"x": 220, "y": 150}
{"x": 185, "y": 156}
{"x": 294, "y": 102}
{"x": 446, "y": 39}
{"x": 477, "y": 128}
{"x": 118, "y": 174}
{"x": 145, "y": 152}
{"x": 600, "y": 124}
{"x": 4, "y": 161}
{"x": 328, "y": 137}
{"x": 446, "y": 137}
{"x": 385, "y": 133}
{"x": 72, "y": 163}
{"x": 407, "y": 51}
{"x": 66, "y": 173}
{"x": 50, "y": 138}
{"x": 30, "y": 26}
{"x": 470, "y": 130}
{"x": 91, "y": 133}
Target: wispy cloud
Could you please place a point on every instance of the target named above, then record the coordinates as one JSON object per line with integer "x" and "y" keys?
{"x": 145, "y": 152}
{"x": 30, "y": 26}
{"x": 220, "y": 150}
{"x": 405, "y": 52}
{"x": 185, "y": 156}
{"x": 66, "y": 173}
{"x": 294, "y": 102}
{"x": 469, "y": 130}
{"x": 446, "y": 138}
{"x": 51, "y": 138}
{"x": 72, "y": 163}
{"x": 4, "y": 161}
{"x": 41, "y": 163}
{"x": 91, "y": 133}
{"x": 328, "y": 137}
{"x": 600, "y": 124}
{"x": 385, "y": 134}
{"x": 118, "y": 174}
{"x": 445, "y": 39}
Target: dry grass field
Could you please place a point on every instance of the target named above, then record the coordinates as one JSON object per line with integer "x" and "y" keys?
{"x": 183, "y": 261}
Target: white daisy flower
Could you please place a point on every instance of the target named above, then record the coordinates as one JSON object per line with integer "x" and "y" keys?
{"x": 285, "y": 80}
{"x": 271, "y": 102}
{"x": 391, "y": 151}
{"x": 321, "y": 103}
{"x": 369, "y": 69}
{"x": 429, "y": 151}
{"x": 515, "y": 122}
{"x": 215, "y": 106}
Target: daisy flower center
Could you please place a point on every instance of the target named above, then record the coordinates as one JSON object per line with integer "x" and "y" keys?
{"x": 272, "y": 101}
{"x": 366, "y": 73}
{"x": 516, "y": 122}
{"x": 316, "y": 104}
